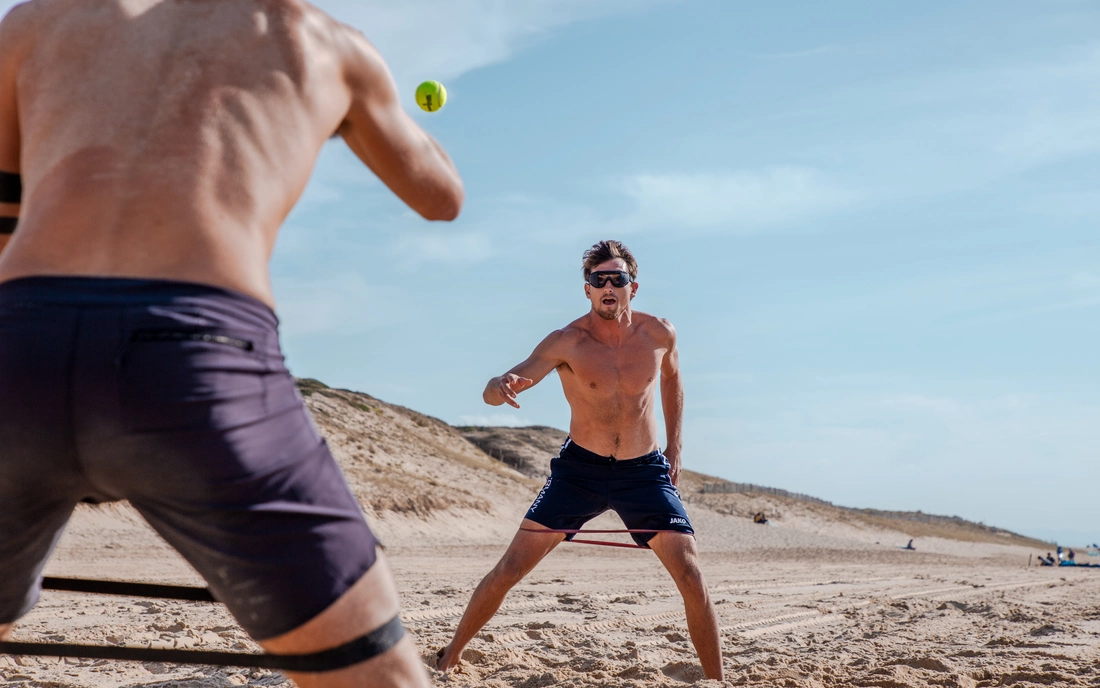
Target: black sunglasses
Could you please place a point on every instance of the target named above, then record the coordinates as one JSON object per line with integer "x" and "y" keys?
{"x": 618, "y": 278}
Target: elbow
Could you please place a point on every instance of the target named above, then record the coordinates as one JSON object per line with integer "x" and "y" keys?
{"x": 447, "y": 214}
{"x": 446, "y": 206}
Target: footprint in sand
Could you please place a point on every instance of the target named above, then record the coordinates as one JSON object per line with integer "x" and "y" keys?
{"x": 683, "y": 671}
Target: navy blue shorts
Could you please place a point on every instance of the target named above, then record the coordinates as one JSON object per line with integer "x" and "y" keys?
{"x": 582, "y": 485}
{"x": 173, "y": 396}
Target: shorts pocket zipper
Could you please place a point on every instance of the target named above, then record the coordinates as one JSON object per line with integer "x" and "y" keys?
{"x": 189, "y": 336}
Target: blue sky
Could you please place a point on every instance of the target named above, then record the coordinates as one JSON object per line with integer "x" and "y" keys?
{"x": 873, "y": 225}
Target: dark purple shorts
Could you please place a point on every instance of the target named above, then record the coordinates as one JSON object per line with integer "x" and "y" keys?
{"x": 582, "y": 485}
{"x": 173, "y": 396}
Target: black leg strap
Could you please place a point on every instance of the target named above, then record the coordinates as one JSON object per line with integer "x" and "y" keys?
{"x": 369, "y": 646}
{"x": 11, "y": 187}
{"x": 361, "y": 649}
{"x": 105, "y": 587}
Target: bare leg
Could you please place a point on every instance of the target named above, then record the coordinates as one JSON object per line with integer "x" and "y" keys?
{"x": 677, "y": 552}
{"x": 5, "y": 631}
{"x": 371, "y": 602}
{"x": 525, "y": 552}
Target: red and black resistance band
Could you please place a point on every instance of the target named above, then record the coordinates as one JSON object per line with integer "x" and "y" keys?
{"x": 568, "y": 531}
{"x": 361, "y": 649}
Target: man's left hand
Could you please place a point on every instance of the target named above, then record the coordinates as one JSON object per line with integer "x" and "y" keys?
{"x": 673, "y": 456}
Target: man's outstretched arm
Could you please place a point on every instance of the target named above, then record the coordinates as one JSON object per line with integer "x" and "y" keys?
{"x": 545, "y": 357}
{"x": 672, "y": 403}
{"x": 379, "y": 131}
{"x": 10, "y": 180}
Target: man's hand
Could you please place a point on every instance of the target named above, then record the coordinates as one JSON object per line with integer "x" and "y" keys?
{"x": 674, "y": 463}
{"x": 503, "y": 389}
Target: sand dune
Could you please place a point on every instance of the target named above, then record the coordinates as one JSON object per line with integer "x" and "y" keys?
{"x": 821, "y": 596}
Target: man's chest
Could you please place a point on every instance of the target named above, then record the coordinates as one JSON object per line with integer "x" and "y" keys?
{"x": 602, "y": 370}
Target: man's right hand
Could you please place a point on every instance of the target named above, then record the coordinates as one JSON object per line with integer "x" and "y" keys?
{"x": 503, "y": 389}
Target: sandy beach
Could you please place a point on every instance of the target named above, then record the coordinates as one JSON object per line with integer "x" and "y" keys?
{"x": 814, "y": 598}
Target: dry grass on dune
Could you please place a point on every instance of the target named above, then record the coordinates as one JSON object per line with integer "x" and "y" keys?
{"x": 400, "y": 462}
{"x": 528, "y": 449}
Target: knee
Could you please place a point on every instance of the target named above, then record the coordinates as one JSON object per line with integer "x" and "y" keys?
{"x": 689, "y": 578}
{"x": 508, "y": 573}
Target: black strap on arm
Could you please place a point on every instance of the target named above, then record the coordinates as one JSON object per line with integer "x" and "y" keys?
{"x": 361, "y": 649}
{"x": 11, "y": 187}
{"x": 7, "y": 225}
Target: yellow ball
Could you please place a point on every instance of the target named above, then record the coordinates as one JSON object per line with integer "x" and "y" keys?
{"x": 431, "y": 96}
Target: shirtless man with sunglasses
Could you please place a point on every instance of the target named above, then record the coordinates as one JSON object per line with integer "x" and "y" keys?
{"x": 608, "y": 361}
{"x": 149, "y": 152}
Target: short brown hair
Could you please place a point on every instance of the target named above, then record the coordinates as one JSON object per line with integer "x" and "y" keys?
{"x": 606, "y": 250}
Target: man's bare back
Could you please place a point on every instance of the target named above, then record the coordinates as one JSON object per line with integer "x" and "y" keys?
{"x": 169, "y": 139}
{"x": 166, "y": 140}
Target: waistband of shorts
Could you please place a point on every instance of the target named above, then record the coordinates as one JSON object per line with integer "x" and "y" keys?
{"x": 574, "y": 452}
{"x": 127, "y": 291}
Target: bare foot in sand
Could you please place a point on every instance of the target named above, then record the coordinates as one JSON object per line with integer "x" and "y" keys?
{"x": 446, "y": 662}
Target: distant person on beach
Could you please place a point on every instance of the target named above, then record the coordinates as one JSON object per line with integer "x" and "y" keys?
{"x": 760, "y": 518}
{"x": 609, "y": 361}
{"x": 149, "y": 152}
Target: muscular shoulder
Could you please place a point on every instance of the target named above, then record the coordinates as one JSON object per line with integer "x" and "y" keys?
{"x": 575, "y": 332}
{"x": 19, "y": 30}
{"x": 660, "y": 329}
{"x": 26, "y": 11}
{"x": 564, "y": 340}
{"x": 360, "y": 61}
{"x": 21, "y": 24}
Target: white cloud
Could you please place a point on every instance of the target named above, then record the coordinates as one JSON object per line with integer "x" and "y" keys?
{"x": 1064, "y": 204}
{"x": 319, "y": 193}
{"x": 795, "y": 54}
{"x": 736, "y": 202}
{"x": 964, "y": 128}
{"x": 495, "y": 420}
{"x": 415, "y": 246}
{"x": 741, "y": 201}
{"x": 949, "y": 409}
{"x": 1057, "y": 111}
{"x": 344, "y": 304}
{"x": 443, "y": 39}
